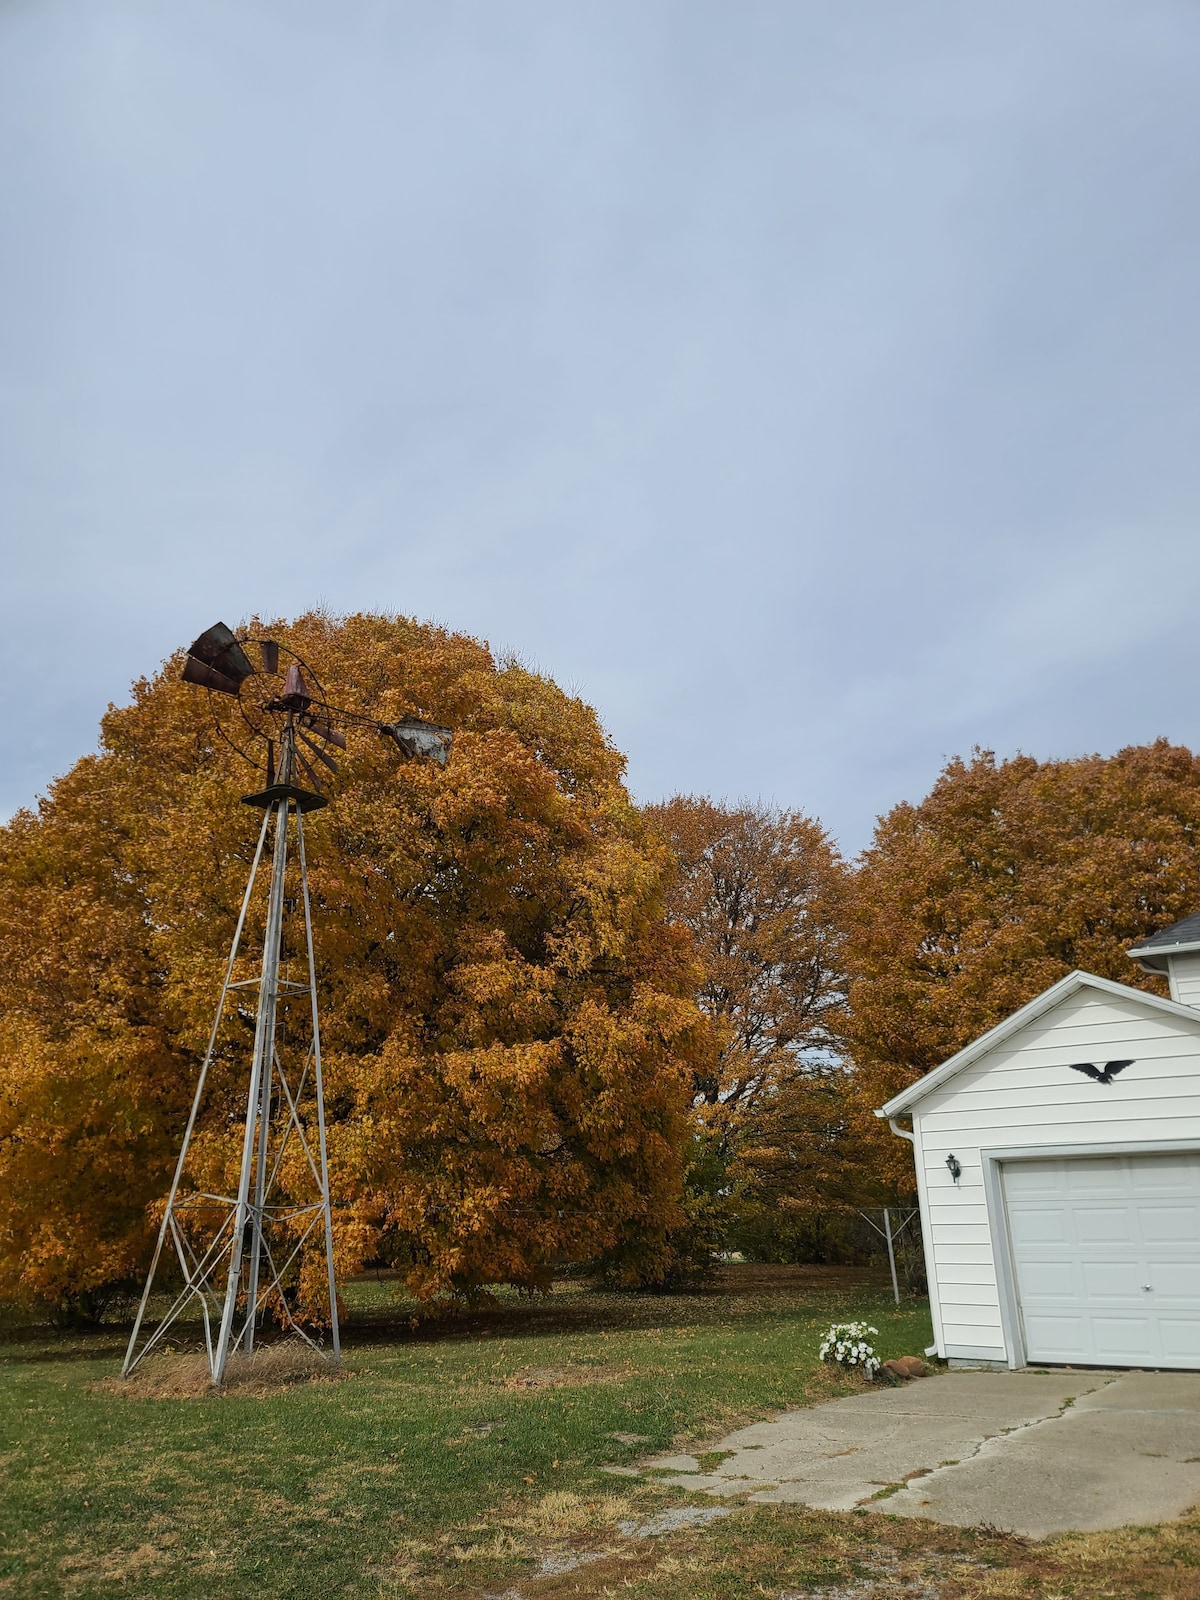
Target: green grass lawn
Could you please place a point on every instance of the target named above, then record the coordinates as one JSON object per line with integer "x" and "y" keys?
{"x": 454, "y": 1459}
{"x": 384, "y": 1482}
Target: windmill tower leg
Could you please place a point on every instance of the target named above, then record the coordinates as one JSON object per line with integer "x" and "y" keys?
{"x": 320, "y": 1086}
{"x": 248, "y": 1219}
{"x": 255, "y": 1231}
{"x": 131, "y": 1353}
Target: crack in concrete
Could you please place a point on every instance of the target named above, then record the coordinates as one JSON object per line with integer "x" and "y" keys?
{"x": 1129, "y": 1454}
{"x": 948, "y": 1466}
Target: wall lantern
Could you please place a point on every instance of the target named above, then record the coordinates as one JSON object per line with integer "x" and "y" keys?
{"x": 955, "y": 1167}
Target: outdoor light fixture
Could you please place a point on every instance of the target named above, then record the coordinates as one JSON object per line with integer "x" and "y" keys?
{"x": 955, "y": 1167}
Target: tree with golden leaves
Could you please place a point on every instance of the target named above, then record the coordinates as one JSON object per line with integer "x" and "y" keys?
{"x": 1006, "y": 877}
{"x": 509, "y": 1025}
{"x": 760, "y": 891}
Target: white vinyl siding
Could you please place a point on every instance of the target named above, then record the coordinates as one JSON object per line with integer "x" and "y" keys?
{"x": 1023, "y": 1094}
{"x": 1184, "y": 974}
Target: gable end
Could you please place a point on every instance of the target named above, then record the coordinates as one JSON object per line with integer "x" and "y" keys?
{"x": 994, "y": 1037}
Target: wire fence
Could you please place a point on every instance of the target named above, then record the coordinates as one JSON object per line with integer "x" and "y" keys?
{"x": 896, "y": 1229}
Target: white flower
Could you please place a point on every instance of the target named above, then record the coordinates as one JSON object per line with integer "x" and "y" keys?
{"x": 848, "y": 1343}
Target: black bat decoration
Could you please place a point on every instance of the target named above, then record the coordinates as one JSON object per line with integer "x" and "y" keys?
{"x": 1104, "y": 1074}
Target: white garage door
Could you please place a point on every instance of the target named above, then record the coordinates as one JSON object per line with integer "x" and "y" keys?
{"x": 1107, "y": 1257}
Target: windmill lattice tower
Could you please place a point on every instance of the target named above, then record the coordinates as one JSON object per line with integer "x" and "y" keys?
{"x": 236, "y": 1256}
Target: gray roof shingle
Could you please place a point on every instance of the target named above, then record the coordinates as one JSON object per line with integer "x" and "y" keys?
{"x": 1185, "y": 932}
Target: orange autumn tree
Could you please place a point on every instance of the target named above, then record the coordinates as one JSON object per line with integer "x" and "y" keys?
{"x": 509, "y": 1027}
{"x": 1006, "y": 877}
{"x": 760, "y": 891}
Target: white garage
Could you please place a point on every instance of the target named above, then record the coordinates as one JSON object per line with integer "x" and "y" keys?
{"x": 1058, "y": 1169}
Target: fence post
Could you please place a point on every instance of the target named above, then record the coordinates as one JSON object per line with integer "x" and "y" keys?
{"x": 887, "y": 1230}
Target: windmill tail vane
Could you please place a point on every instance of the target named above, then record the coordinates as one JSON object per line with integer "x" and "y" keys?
{"x": 224, "y": 1262}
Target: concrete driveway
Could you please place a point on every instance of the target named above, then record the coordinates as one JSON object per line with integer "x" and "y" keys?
{"x": 1035, "y": 1453}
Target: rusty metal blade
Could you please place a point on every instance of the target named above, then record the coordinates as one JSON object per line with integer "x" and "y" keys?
{"x": 268, "y": 649}
{"x": 324, "y": 731}
{"x": 313, "y": 780}
{"x": 208, "y": 677}
{"x": 317, "y": 751}
{"x": 219, "y": 648}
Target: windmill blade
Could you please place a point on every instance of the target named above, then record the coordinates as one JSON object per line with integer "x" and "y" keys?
{"x": 195, "y": 671}
{"x": 317, "y": 751}
{"x": 219, "y": 648}
{"x": 313, "y": 780}
{"x": 268, "y": 650}
{"x": 324, "y": 731}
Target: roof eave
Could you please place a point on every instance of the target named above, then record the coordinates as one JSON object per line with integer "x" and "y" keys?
{"x": 1144, "y": 952}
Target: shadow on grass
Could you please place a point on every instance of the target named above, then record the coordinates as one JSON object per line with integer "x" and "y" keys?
{"x": 375, "y": 1315}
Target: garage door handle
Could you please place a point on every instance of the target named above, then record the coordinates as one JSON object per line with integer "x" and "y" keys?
{"x": 1146, "y": 1288}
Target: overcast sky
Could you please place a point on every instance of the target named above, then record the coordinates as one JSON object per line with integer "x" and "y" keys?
{"x": 813, "y": 387}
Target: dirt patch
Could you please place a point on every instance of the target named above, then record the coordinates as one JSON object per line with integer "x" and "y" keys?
{"x": 270, "y": 1369}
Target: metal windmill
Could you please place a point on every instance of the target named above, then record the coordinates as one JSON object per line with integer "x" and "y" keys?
{"x": 238, "y": 1255}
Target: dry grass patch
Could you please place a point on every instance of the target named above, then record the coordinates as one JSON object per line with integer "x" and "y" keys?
{"x": 114, "y": 1567}
{"x": 575, "y": 1375}
{"x": 565, "y": 1515}
{"x": 560, "y": 1531}
{"x": 1162, "y": 1561}
{"x": 790, "y": 1553}
{"x": 186, "y": 1377}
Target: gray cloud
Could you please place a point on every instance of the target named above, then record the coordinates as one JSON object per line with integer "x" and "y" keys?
{"x": 828, "y": 372}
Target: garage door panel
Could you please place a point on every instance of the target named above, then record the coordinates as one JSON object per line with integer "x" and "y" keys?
{"x": 1044, "y": 1280}
{"x": 1112, "y": 1280}
{"x": 1057, "y": 1338}
{"x": 1092, "y": 1177}
{"x": 1033, "y": 1225}
{"x": 1181, "y": 1339}
{"x": 1175, "y": 1174}
{"x": 1106, "y": 1254}
{"x": 1123, "y": 1338}
{"x": 1177, "y": 1224}
{"x": 1105, "y": 1225}
{"x": 1034, "y": 1180}
{"x": 1174, "y": 1284}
